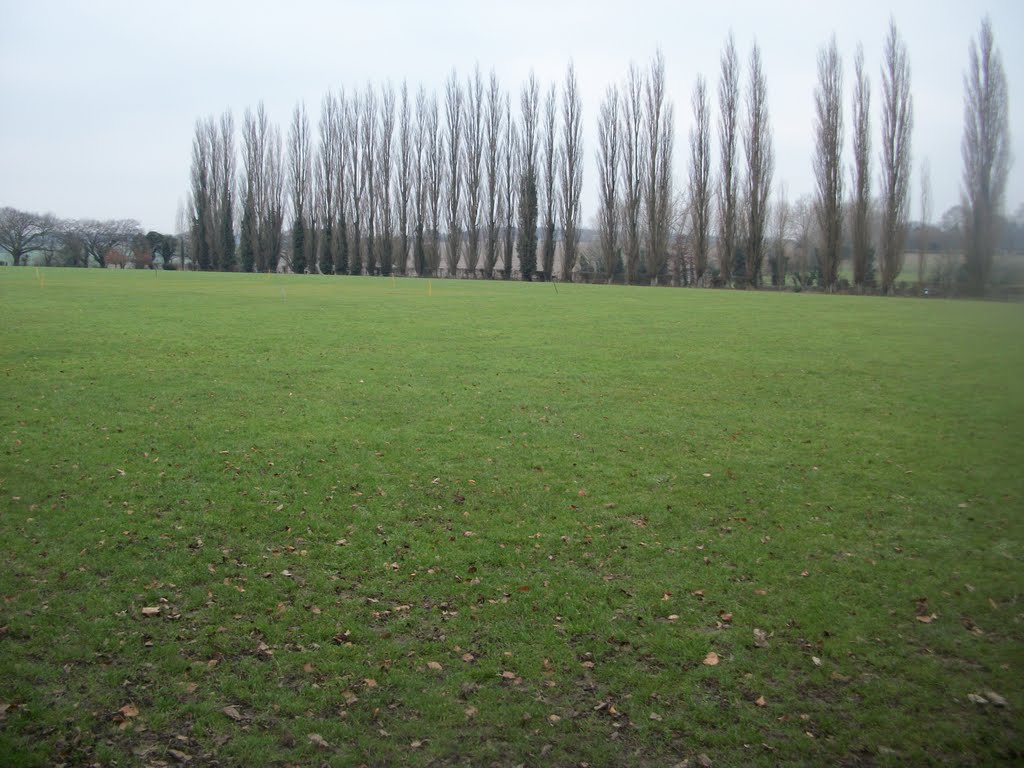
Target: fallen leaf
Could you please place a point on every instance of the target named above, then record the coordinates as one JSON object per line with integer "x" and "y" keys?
{"x": 973, "y": 697}
{"x": 725, "y": 616}
{"x": 416, "y": 744}
{"x": 703, "y": 761}
{"x": 471, "y": 711}
{"x": 995, "y": 698}
{"x": 191, "y": 687}
{"x": 554, "y": 719}
{"x": 129, "y": 710}
{"x": 152, "y": 610}
{"x": 349, "y": 697}
{"x": 509, "y": 675}
{"x": 369, "y": 682}
{"x": 656, "y": 717}
{"x": 468, "y": 658}
{"x": 181, "y": 757}
{"x": 233, "y": 713}
{"x": 673, "y": 617}
{"x": 436, "y": 666}
{"x": 711, "y": 659}
{"x": 318, "y": 741}
{"x": 308, "y": 667}
{"x": 760, "y": 638}
{"x": 759, "y": 701}
{"x": 926, "y": 619}
{"x": 816, "y": 661}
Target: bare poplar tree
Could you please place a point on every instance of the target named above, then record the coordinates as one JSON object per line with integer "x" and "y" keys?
{"x": 526, "y": 243}
{"x": 419, "y": 248}
{"x": 339, "y": 238}
{"x": 862, "y": 252}
{"x": 226, "y": 193}
{"x": 728, "y": 134}
{"x": 510, "y": 188}
{"x": 435, "y": 182}
{"x": 632, "y": 168}
{"x": 926, "y": 215}
{"x": 473, "y": 159}
{"x": 271, "y": 197}
{"x": 201, "y": 215}
{"x": 356, "y": 179}
{"x": 757, "y": 146}
{"x": 609, "y": 148}
{"x": 828, "y": 167}
{"x": 572, "y": 171}
{"x": 371, "y": 200}
{"x": 897, "y": 124}
{"x": 325, "y": 176}
{"x": 385, "y": 209}
{"x": 494, "y": 118}
{"x": 254, "y": 139}
{"x": 658, "y": 121}
{"x": 404, "y": 179}
{"x": 700, "y": 178}
{"x": 454, "y": 109}
{"x": 549, "y": 168}
{"x": 986, "y": 154}
{"x": 299, "y": 184}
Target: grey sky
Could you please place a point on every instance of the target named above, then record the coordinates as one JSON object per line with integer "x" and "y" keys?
{"x": 100, "y": 97}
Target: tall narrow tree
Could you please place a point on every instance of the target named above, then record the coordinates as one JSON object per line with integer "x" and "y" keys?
{"x": 356, "y": 180}
{"x": 526, "y": 241}
{"x": 201, "y": 194}
{"x": 572, "y": 171}
{"x": 371, "y": 200}
{"x": 435, "y": 182}
{"x": 986, "y": 154}
{"x": 728, "y": 135}
{"x": 897, "y": 124}
{"x": 549, "y": 169}
{"x": 419, "y": 247}
{"x": 492, "y": 161}
{"x": 510, "y": 187}
{"x": 828, "y": 165}
{"x": 609, "y": 149}
{"x": 473, "y": 166}
{"x": 700, "y": 179}
{"x": 760, "y": 156}
{"x": 660, "y": 129}
{"x": 454, "y": 108}
{"x": 404, "y": 179}
{"x": 299, "y": 184}
{"x": 385, "y": 209}
{"x": 228, "y": 179}
{"x": 632, "y": 168}
{"x": 863, "y": 253}
{"x": 325, "y": 175}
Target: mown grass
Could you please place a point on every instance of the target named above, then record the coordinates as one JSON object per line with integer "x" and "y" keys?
{"x": 495, "y": 524}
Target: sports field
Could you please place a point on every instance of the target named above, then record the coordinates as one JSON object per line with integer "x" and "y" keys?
{"x": 285, "y": 520}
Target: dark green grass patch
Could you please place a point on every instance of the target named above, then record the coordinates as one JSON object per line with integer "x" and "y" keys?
{"x": 271, "y": 520}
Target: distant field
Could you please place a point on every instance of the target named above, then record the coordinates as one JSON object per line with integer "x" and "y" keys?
{"x": 272, "y": 520}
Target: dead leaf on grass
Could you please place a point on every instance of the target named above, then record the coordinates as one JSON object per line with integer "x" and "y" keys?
{"x": 181, "y": 757}
{"x": 318, "y": 741}
{"x": 468, "y": 658}
{"x": 760, "y": 701}
{"x": 129, "y": 710}
{"x": 711, "y": 659}
{"x": 471, "y": 711}
{"x": 760, "y": 638}
{"x": 233, "y": 713}
{"x": 434, "y": 665}
{"x": 151, "y": 610}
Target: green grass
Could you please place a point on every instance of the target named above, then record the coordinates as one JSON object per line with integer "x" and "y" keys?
{"x": 322, "y": 482}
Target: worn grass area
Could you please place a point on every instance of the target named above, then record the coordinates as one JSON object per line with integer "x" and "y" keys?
{"x": 496, "y": 524}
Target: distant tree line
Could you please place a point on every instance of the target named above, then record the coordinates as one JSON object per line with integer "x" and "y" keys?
{"x": 464, "y": 184}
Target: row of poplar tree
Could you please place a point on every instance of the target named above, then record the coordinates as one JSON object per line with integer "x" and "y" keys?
{"x": 394, "y": 182}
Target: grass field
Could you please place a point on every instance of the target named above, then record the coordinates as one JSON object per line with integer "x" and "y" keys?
{"x": 272, "y": 520}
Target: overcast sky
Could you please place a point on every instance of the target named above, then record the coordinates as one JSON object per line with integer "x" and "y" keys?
{"x": 100, "y": 98}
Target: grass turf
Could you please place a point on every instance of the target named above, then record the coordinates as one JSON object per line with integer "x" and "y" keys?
{"x": 476, "y": 523}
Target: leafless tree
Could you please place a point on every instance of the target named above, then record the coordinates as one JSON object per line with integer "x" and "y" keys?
{"x": 420, "y": 174}
{"x": 354, "y": 117}
{"x": 385, "y": 208}
{"x": 897, "y": 124}
{"x": 494, "y": 117}
{"x": 986, "y": 154}
{"x": 926, "y": 215}
{"x": 225, "y": 194}
{"x": 609, "y": 150}
{"x": 862, "y": 251}
{"x": 660, "y": 129}
{"x": 474, "y": 155}
{"x": 550, "y": 170}
{"x": 700, "y": 178}
{"x": 404, "y": 179}
{"x": 572, "y": 171}
{"x": 254, "y": 149}
{"x": 299, "y": 173}
{"x": 828, "y": 166}
{"x": 510, "y": 189}
{"x": 760, "y": 156}
{"x": 805, "y": 224}
{"x": 632, "y": 168}
{"x": 98, "y": 238}
{"x": 371, "y": 201}
{"x": 22, "y": 233}
{"x": 435, "y": 182}
{"x": 526, "y": 245}
{"x": 325, "y": 177}
{"x": 454, "y": 109}
{"x": 273, "y": 198}
{"x": 728, "y": 135}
